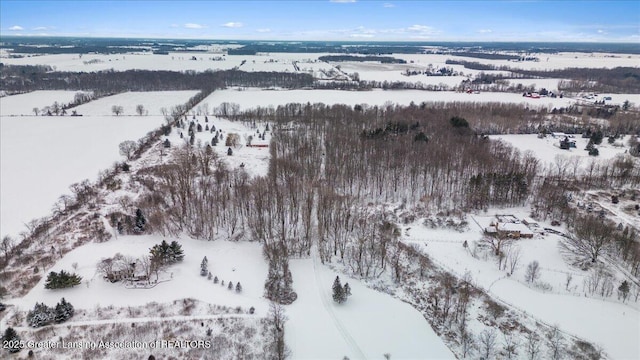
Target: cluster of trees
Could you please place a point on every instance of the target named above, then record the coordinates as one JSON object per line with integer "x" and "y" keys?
{"x": 279, "y": 284}
{"x": 42, "y": 315}
{"x": 374, "y": 58}
{"x": 61, "y": 280}
{"x": 110, "y": 81}
{"x": 340, "y": 293}
{"x": 166, "y": 254}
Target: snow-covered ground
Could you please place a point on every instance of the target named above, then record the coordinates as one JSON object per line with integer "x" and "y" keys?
{"x": 611, "y": 324}
{"x": 548, "y": 148}
{"x": 196, "y": 61}
{"x": 152, "y": 101}
{"x": 229, "y": 261}
{"x": 254, "y": 160}
{"x": 42, "y": 155}
{"x": 24, "y": 104}
{"x": 251, "y": 97}
{"x": 367, "y": 326}
{"x": 317, "y": 328}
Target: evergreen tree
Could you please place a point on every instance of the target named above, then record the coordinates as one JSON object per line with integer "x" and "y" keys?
{"x": 167, "y": 143}
{"x": 215, "y": 280}
{"x": 623, "y": 290}
{"x": 209, "y": 276}
{"x": 63, "y": 311}
{"x": 238, "y": 287}
{"x": 12, "y": 340}
{"x": 176, "y": 254}
{"x": 229, "y": 152}
{"x": 192, "y": 139}
{"x": 346, "y": 290}
{"x": 230, "y": 287}
{"x": 140, "y": 222}
{"x": 62, "y": 279}
{"x": 338, "y": 291}
{"x": 204, "y": 267}
{"x": 40, "y": 315}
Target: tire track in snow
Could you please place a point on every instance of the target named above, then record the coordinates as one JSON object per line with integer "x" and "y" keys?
{"x": 356, "y": 352}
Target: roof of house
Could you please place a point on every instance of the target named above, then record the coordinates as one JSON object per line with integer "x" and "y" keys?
{"x": 521, "y": 228}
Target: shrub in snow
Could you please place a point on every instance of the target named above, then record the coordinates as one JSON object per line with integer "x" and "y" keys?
{"x": 252, "y": 310}
{"x": 238, "y": 287}
{"x": 215, "y": 280}
{"x": 209, "y": 276}
{"x": 61, "y": 280}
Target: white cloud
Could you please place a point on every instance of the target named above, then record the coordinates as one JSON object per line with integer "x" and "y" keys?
{"x": 40, "y": 28}
{"x": 600, "y": 31}
{"x": 263, "y": 30}
{"x": 174, "y": 25}
{"x": 420, "y": 28}
{"x": 194, "y": 26}
{"x": 485, "y": 31}
{"x": 367, "y": 36}
{"x": 16, "y": 28}
{"x": 388, "y": 5}
{"x": 232, "y": 24}
{"x": 342, "y": 1}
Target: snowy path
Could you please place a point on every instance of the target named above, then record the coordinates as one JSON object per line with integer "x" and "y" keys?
{"x": 328, "y": 306}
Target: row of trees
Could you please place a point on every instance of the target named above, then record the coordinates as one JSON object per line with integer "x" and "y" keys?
{"x": 42, "y": 315}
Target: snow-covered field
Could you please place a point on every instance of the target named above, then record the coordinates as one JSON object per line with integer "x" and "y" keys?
{"x": 367, "y": 326}
{"x": 611, "y": 324}
{"x": 36, "y": 169}
{"x": 24, "y": 104}
{"x": 248, "y": 98}
{"x": 238, "y": 261}
{"x": 548, "y": 148}
{"x": 317, "y": 328}
{"x": 196, "y": 61}
{"x": 152, "y": 101}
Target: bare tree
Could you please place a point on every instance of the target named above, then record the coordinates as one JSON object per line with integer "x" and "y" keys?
{"x": 532, "y": 346}
{"x": 7, "y": 246}
{"x": 555, "y": 342}
{"x": 513, "y": 258}
{"x": 117, "y": 110}
{"x": 276, "y": 347}
{"x": 509, "y": 345}
{"x": 140, "y": 110}
{"x": 487, "y": 342}
{"x": 592, "y": 237}
{"x": 533, "y": 271}
{"x": 35, "y": 111}
{"x": 127, "y": 148}
{"x": 467, "y": 342}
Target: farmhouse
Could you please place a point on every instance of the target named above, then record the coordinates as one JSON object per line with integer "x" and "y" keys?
{"x": 509, "y": 226}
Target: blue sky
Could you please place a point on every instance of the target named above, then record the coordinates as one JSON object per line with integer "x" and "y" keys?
{"x": 368, "y": 20}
